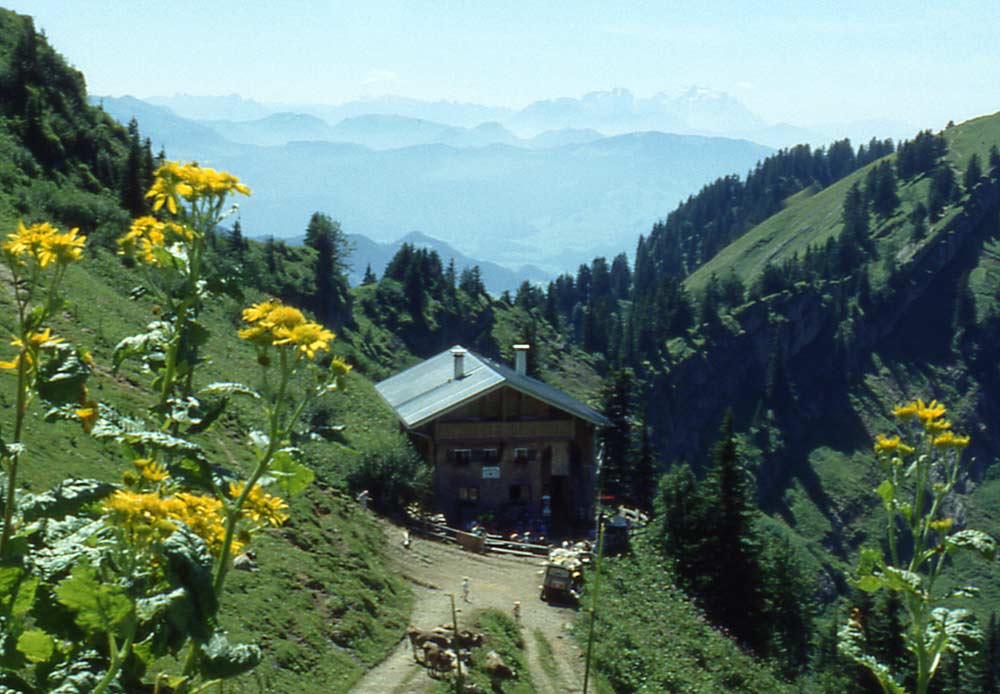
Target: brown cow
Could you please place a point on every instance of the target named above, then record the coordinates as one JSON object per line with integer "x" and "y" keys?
{"x": 419, "y": 637}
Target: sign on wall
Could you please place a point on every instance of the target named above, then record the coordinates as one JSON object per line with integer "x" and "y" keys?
{"x": 491, "y": 472}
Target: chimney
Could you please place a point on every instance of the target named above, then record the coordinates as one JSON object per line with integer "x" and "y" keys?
{"x": 521, "y": 359}
{"x": 459, "y": 354}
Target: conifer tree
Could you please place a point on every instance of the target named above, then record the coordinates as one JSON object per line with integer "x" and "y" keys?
{"x": 617, "y": 405}
{"x": 731, "y": 552}
{"x": 134, "y": 179}
{"x": 369, "y": 277}
{"x": 973, "y": 172}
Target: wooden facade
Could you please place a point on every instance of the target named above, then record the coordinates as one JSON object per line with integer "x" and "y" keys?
{"x": 514, "y": 459}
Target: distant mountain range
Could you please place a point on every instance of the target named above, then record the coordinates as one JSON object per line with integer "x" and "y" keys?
{"x": 552, "y": 201}
{"x": 694, "y": 111}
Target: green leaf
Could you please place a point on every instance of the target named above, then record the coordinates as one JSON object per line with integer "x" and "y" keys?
{"x": 150, "y": 345}
{"x": 886, "y": 490}
{"x": 289, "y": 475}
{"x": 189, "y": 566}
{"x": 224, "y": 388}
{"x": 99, "y": 607}
{"x": 36, "y": 645}
{"x": 221, "y": 659}
{"x": 25, "y": 597}
{"x": 975, "y": 540}
{"x": 870, "y": 583}
{"x": 157, "y": 440}
{"x": 62, "y": 376}
{"x": 903, "y": 581}
{"x": 148, "y": 608}
{"x": 66, "y": 498}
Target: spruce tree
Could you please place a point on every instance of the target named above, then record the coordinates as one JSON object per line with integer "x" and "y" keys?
{"x": 617, "y": 405}
{"x": 369, "y": 277}
{"x": 973, "y": 172}
{"x": 731, "y": 579}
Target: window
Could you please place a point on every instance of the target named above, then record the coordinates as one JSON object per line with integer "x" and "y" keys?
{"x": 489, "y": 456}
{"x": 460, "y": 456}
{"x": 468, "y": 494}
{"x": 524, "y": 455}
{"x": 519, "y": 492}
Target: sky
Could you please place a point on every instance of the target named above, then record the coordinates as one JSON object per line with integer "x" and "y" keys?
{"x": 795, "y": 61}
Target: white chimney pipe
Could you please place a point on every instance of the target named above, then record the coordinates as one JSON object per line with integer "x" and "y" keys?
{"x": 521, "y": 359}
{"x": 459, "y": 354}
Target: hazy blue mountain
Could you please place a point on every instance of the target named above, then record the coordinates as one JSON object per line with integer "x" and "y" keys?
{"x": 164, "y": 127}
{"x": 564, "y": 136}
{"x": 496, "y": 277}
{"x": 551, "y": 207}
{"x": 463, "y": 115}
{"x": 275, "y": 129}
{"x": 231, "y": 107}
{"x": 379, "y": 131}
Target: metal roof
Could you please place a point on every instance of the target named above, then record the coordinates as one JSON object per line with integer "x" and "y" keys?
{"x": 429, "y": 389}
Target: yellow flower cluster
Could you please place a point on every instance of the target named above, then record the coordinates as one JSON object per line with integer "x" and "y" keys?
{"x": 36, "y": 340}
{"x": 149, "y": 517}
{"x": 932, "y": 416}
{"x": 260, "y": 507}
{"x": 272, "y": 323}
{"x": 44, "y": 244}
{"x": 188, "y": 181}
{"x": 891, "y": 444}
{"x": 148, "y": 235}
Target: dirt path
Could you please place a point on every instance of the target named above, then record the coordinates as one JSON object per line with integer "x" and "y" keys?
{"x": 435, "y": 570}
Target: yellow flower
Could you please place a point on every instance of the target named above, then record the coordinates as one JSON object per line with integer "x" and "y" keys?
{"x": 942, "y": 524}
{"x": 27, "y": 242}
{"x": 937, "y": 425}
{"x": 258, "y": 312}
{"x": 905, "y": 412}
{"x": 339, "y": 367}
{"x": 308, "y": 337}
{"x": 62, "y": 248}
{"x": 949, "y": 440}
{"x": 155, "y": 473}
{"x": 929, "y": 412}
{"x": 260, "y": 507}
{"x": 189, "y": 181}
{"x": 886, "y": 444}
{"x": 42, "y": 339}
{"x": 89, "y": 414}
{"x": 148, "y": 236}
{"x": 283, "y": 318}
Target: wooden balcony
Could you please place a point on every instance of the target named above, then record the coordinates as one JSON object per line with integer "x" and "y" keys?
{"x": 505, "y": 431}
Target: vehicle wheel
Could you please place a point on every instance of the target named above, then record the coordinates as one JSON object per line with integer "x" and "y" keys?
{"x": 545, "y": 595}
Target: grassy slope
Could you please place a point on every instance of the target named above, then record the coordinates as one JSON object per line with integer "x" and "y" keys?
{"x": 651, "y": 638}
{"x": 323, "y": 605}
{"x": 832, "y": 509}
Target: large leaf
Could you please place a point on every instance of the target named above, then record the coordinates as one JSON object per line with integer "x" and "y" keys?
{"x": 189, "y": 566}
{"x": 69, "y": 542}
{"x": 225, "y": 388}
{"x": 150, "y": 345}
{"x": 976, "y": 540}
{"x": 80, "y": 675}
{"x": 99, "y": 607}
{"x": 66, "y": 498}
{"x": 36, "y": 645}
{"x": 62, "y": 377}
{"x": 222, "y": 659}
{"x": 147, "y": 441}
{"x": 289, "y": 475}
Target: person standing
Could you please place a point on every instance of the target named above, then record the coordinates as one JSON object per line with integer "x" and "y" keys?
{"x": 465, "y": 588}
